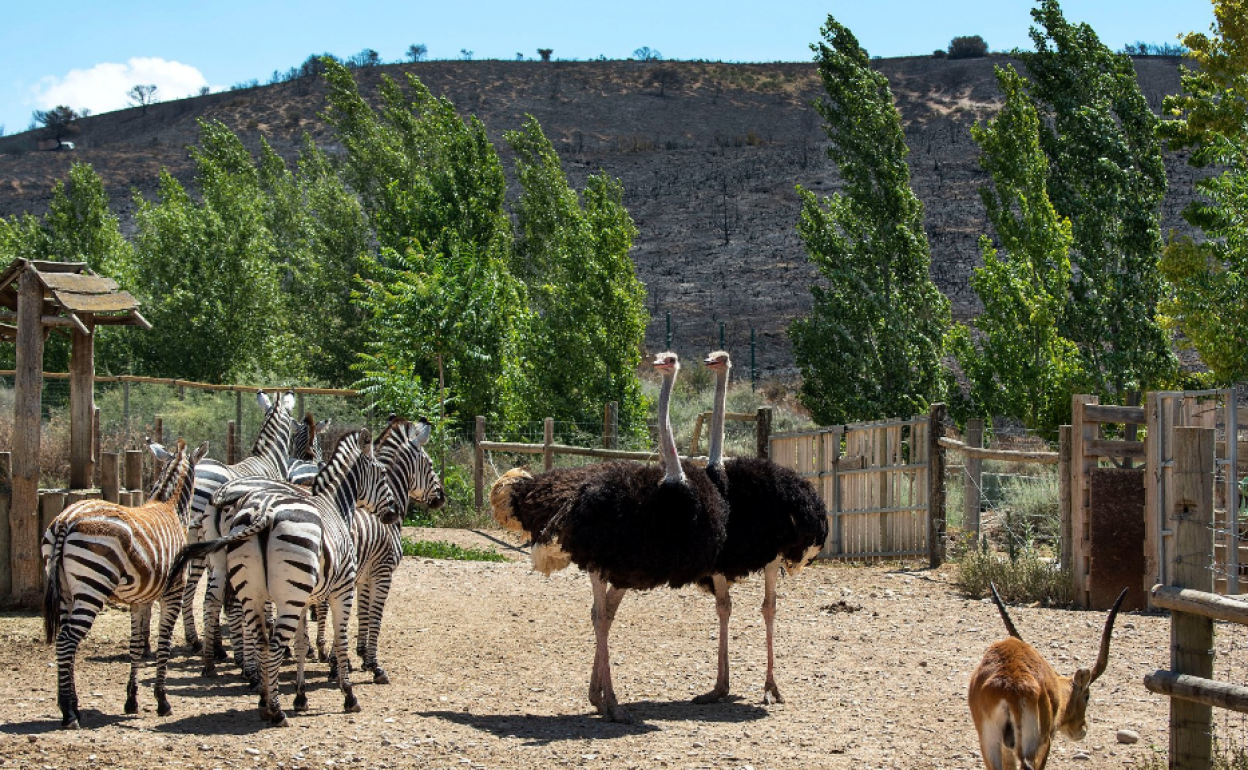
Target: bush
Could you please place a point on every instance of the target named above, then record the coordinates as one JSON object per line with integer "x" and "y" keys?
{"x": 967, "y": 47}
{"x": 1027, "y": 578}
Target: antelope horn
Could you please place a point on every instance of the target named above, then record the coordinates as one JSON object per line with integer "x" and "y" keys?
{"x": 1102, "y": 659}
{"x": 1009, "y": 624}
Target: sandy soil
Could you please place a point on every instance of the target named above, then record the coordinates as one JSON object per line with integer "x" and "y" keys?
{"x": 489, "y": 664}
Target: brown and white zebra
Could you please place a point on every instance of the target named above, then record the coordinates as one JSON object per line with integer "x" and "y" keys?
{"x": 96, "y": 550}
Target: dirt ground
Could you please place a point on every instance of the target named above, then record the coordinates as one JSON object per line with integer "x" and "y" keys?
{"x": 490, "y": 664}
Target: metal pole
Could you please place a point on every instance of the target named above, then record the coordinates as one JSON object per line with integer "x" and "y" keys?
{"x": 721, "y": 335}
{"x": 669, "y": 330}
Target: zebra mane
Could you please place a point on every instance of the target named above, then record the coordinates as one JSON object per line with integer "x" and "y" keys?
{"x": 304, "y": 440}
{"x": 345, "y": 472}
{"x": 274, "y": 438}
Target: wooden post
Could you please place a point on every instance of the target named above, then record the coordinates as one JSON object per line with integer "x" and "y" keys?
{"x": 238, "y": 422}
{"x": 6, "y": 497}
{"x": 1191, "y": 636}
{"x": 81, "y": 406}
{"x": 158, "y": 428}
{"x": 936, "y": 485}
{"x": 24, "y": 532}
{"x": 972, "y": 478}
{"x": 110, "y": 482}
{"x": 834, "y": 529}
{"x": 51, "y": 503}
{"x": 95, "y": 448}
{"x": 1081, "y": 465}
{"x": 548, "y": 454}
{"x": 478, "y": 464}
{"x": 611, "y": 425}
{"x": 125, "y": 410}
{"x": 1063, "y": 495}
{"x": 231, "y": 442}
{"x": 299, "y": 404}
{"x": 762, "y": 432}
{"x": 1231, "y": 428}
{"x": 134, "y": 469}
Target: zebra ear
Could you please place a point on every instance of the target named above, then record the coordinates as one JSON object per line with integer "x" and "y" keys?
{"x": 264, "y": 401}
{"x": 158, "y": 450}
{"x": 366, "y": 441}
{"x": 423, "y": 431}
{"x": 288, "y": 400}
{"x": 323, "y": 424}
{"x": 200, "y": 453}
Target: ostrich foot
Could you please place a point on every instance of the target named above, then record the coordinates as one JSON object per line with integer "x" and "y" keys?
{"x": 714, "y": 696}
{"x": 771, "y": 694}
{"x": 613, "y": 712}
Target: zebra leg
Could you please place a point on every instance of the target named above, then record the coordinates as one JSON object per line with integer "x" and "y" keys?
{"x": 340, "y": 604}
{"x": 286, "y": 621}
{"x": 143, "y": 627}
{"x": 140, "y": 637}
{"x": 256, "y": 633}
{"x": 244, "y": 658}
{"x": 301, "y": 657}
{"x": 194, "y": 571}
{"x": 212, "y": 616}
{"x": 322, "y": 617}
{"x": 170, "y": 607}
{"x": 379, "y": 593}
{"x": 76, "y": 621}
{"x": 363, "y": 597}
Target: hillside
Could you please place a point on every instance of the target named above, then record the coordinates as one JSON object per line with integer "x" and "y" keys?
{"x": 709, "y": 155}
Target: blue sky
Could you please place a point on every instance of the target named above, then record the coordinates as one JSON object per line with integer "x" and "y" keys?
{"x": 88, "y": 54}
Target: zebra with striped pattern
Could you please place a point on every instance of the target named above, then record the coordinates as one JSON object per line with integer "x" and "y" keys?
{"x": 267, "y": 460}
{"x": 95, "y": 551}
{"x": 292, "y": 550}
{"x": 377, "y": 491}
{"x": 378, "y": 544}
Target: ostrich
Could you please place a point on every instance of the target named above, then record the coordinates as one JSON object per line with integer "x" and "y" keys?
{"x": 777, "y": 518}
{"x": 630, "y": 526}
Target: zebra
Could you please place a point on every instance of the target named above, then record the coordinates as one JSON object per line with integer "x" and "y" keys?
{"x": 96, "y": 550}
{"x": 292, "y": 550}
{"x": 305, "y": 450}
{"x": 377, "y": 490}
{"x": 268, "y": 459}
{"x": 378, "y": 543}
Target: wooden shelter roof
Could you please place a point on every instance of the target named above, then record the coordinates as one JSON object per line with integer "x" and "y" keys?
{"x": 70, "y": 293}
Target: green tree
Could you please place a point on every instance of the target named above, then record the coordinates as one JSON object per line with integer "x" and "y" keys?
{"x": 210, "y": 286}
{"x": 967, "y": 47}
{"x": 589, "y": 316}
{"x": 1016, "y": 361}
{"x": 80, "y": 226}
{"x": 1107, "y": 177}
{"x": 1208, "y": 300}
{"x": 433, "y": 188}
{"x": 871, "y": 346}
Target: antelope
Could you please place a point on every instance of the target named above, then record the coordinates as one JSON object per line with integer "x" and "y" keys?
{"x": 1018, "y": 702}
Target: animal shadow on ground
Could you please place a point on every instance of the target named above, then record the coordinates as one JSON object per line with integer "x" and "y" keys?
{"x": 541, "y": 730}
{"x": 91, "y": 719}
{"x": 244, "y": 721}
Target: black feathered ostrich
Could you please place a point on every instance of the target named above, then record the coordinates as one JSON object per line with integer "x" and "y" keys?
{"x": 777, "y": 519}
{"x": 629, "y": 526}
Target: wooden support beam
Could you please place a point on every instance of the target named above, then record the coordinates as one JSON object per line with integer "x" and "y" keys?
{"x": 1198, "y": 690}
{"x": 1113, "y": 448}
{"x": 110, "y": 478}
{"x": 972, "y": 477}
{"x": 1113, "y": 414}
{"x": 936, "y": 486}
{"x": 1204, "y": 604}
{"x": 478, "y": 463}
{"x": 6, "y": 497}
{"x": 1007, "y": 455}
{"x": 548, "y": 442}
{"x": 27, "y": 575}
{"x": 81, "y": 409}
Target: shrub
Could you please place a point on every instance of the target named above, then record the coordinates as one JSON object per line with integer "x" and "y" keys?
{"x": 1027, "y": 578}
{"x": 967, "y": 47}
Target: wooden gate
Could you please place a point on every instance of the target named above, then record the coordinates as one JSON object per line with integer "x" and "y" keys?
{"x": 1216, "y": 409}
{"x": 875, "y": 479}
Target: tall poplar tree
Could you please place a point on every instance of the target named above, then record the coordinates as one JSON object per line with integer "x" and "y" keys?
{"x": 872, "y": 344}
{"x": 1107, "y": 177}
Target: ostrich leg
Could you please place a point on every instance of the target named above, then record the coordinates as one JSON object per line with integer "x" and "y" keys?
{"x": 601, "y": 691}
{"x": 771, "y": 573}
{"x": 723, "y": 607}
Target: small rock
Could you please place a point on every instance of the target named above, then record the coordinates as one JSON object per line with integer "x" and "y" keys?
{"x": 1128, "y": 736}
{"x": 253, "y": 752}
{"x": 32, "y": 738}
{"x": 388, "y": 720}
{"x": 1082, "y": 757}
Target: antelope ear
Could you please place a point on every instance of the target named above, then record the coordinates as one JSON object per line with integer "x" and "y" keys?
{"x": 201, "y": 452}
{"x": 264, "y": 401}
{"x": 1082, "y": 678}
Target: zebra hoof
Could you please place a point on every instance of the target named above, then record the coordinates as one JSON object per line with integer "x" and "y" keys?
{"x": 218, "y": 652}
{"x": 301, "y": 702}
{"x": 194, "y": 647}
{"x": 350, "y": 704}
{"x": 279, "y": 720}
{"x": 164, "y": 709}
{"x": 253, "y": 685}
{"x": 379, "y": 676}
{"x": 208, "y": 672}
{"x": 132, "y": 706}
{"x": 69, "y": 720}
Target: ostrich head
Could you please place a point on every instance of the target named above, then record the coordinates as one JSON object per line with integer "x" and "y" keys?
{"x": 718, "y": 361}
{"x": 667, "y": 362}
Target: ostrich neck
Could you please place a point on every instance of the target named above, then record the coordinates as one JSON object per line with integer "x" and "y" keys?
{"x": 715, "y": 454}
{"x": 667, "y": 441}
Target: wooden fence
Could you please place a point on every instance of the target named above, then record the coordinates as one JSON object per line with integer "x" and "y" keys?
{"x": 1189, "y": 595}
{"x": 883, "y": 483}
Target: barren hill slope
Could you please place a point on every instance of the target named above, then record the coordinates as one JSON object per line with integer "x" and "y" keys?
{"x": 709, "y": 155}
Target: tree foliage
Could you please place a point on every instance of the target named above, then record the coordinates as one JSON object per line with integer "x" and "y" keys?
{"x": 871, "y": 346}
{"x": 1107, "y": 177}
{"x": 1209, "y": 279}
{"x": 58, "y": 122}
{"x": 1015, "y": 359}
{"x": 967, "y": 47}
{"x": 589, "y": 319}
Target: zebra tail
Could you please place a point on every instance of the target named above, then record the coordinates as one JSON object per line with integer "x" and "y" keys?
{"x": 52, "y": 580}
{"x": 261, "y": 519}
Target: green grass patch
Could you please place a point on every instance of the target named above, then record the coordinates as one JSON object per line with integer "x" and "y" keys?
{"x": 439, "y": 549}
{"x": 1028, "y": 577}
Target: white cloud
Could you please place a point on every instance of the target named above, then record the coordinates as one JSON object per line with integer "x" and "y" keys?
{"x": 103, "y": 87}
